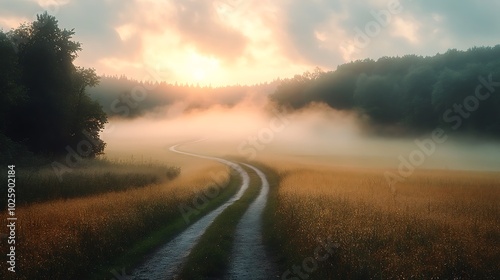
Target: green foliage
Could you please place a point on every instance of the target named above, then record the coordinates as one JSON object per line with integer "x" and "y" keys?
{"x": 43, "y": 99}
{"x": 11, "y": 90}
{"x": 410, "y": 92}
{"x": 378, "y": 97}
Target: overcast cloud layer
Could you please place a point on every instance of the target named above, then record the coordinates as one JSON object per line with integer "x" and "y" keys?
{"x": 246, "y": 42}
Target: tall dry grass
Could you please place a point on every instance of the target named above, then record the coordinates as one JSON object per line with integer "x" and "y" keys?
{"x": 89, "y": 177}
{"x": 435, "y": 225}
{"x": 66, "y": 239}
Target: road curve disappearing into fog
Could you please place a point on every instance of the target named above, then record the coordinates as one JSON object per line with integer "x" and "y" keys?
{"x": 167, "y": 260}
{"x": 249, "y": 258}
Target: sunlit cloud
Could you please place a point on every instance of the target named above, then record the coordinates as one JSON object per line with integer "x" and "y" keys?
{"x": 222, "y": 42}
{"x": 11, "y": 22}
{"x": 407, "y": 29}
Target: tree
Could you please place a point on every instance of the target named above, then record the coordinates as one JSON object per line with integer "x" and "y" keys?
{"x": 57, "y": 111}
{"x": 89, "y": 118}
{"x": 12, "y": 93}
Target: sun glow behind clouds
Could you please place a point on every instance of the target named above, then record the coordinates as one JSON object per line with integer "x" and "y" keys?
{"x": 223, "y": 42}
{"x": 185, "y": 65}
{"x": 217, "y": 62}
{"x": 203, "y": 67}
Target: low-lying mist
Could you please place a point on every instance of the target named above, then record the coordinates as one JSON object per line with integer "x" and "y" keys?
{"x": 316, "y": 133}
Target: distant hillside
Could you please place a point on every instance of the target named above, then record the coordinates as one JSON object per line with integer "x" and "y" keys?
{"x": 457, "y": 90}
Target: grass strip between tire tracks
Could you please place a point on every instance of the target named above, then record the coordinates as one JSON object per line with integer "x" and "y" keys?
{"x": 210, "y": 257}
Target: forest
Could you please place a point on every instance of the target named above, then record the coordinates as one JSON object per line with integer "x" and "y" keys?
{"x": 456, "y": 90}
{"x": 395, "y": 96}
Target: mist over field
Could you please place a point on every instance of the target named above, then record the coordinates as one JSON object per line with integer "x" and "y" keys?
{"x": 254, "y": 131}
{"x": 442, "y": 107}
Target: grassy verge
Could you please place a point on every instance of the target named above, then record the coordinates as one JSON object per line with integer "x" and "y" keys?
{"x": 89, "y": 177}
{"x": 210, "y": 257}
{"x": 70, "y": 239}
{"x": 136, "y": 253}
{"x": 271, "y": 236}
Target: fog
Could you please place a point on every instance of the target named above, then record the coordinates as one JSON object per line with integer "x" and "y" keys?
{"x": 317, "y": 133}
{"x": 413, "y": 111}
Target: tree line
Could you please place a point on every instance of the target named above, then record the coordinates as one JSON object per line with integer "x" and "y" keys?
{"x": 123, "y": 97}
{"x": 44, "y": 106}
{"x": 413, "y": 94}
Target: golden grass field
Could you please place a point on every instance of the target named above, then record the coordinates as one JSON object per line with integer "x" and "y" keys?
{"x": 436, "y": 224}
{"x": 65, "y": 237}
{"x": 90, "y": 177}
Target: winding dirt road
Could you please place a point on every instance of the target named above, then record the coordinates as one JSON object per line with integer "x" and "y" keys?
{"x": 166, "y": 261}
{"x": 249, "y": 259}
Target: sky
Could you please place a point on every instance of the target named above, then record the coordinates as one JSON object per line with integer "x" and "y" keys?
{"x": 221, "y": 42}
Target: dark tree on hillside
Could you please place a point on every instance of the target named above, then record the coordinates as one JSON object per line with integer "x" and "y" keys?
{"x": 56, "y": 111}
{"x": 12, "y": 92}
{"x": 412, "y": 93}
{"x": 88, "y": 116}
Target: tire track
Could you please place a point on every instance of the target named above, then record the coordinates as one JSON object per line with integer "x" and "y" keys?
{"x": 166, "y": 261}
{"x": 250, "y": 260}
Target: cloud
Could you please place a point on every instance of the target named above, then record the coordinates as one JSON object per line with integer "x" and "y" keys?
{"x": 237, "y": 41}
{"x": 198, "y": 24}
{"x": 20, "y": 9}
{"x": 11, "y": 22}
{"x": 303, "y": 23}
{"x": 95, "y": 24}
{"x": 426, "y": 28}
